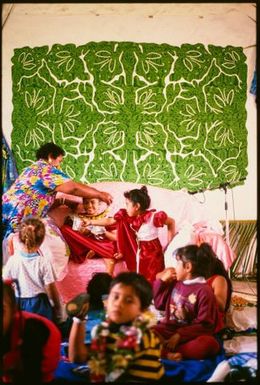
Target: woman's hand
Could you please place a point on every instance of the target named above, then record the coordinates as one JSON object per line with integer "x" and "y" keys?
{"x": 106, "y": 197}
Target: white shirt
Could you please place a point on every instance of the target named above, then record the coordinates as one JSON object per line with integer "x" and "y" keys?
{"x": 33, "y": 272}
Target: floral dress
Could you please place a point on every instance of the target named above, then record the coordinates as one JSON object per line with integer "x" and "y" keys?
{"x": 32, "y": 193}
{"x": 139, "y": 243}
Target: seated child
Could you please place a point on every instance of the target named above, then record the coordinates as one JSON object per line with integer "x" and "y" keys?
{"x": 97, "y": 290}
{"x": 33, "y": 272}
{"x": 138, "y": 233}
{"x": 187, "y": 331}
{"x": 90, "y": 241}
{"x": 30, "y": 344}
{"x": 123, "y": 347}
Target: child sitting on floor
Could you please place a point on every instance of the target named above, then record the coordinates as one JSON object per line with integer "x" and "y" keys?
{"x": 34, "y": 272}
{"x": 90, "y": 241}
{"x": 96, "y": 293}
{"x": 123, "y": 347}
{"x": 187, "y": 331}
{"x": 137, "y": 233}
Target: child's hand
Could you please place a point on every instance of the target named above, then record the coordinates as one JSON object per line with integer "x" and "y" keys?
{"x": 118, "y": 255}
{"x": 172, "y": 342}
{"x": 167, "y": 275}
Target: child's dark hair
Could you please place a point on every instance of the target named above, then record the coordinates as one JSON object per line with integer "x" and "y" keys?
{"x": 139, "y": 283}
{"x": 139, "y": 196}
{"x": 199, "y": 256}
{"x": 49, "y": 149}
{"x": 97, "y": 287}
{"x": 32, "y": 232}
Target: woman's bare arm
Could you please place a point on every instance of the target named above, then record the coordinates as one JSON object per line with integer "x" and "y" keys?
{"x": 220, "y": 288}
{"x": 84, "y": 191}
{"x": 170, "y": 223}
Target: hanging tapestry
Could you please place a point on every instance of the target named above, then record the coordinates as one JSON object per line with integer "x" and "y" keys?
{"x": 153, "y": 114}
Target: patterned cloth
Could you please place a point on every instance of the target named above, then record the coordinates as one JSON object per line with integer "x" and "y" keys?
{"x": 31, "y": 194}
{"x": 140, "y": 363}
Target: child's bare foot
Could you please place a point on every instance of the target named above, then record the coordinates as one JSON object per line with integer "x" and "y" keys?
{"x": 90, "y": 254}
{"x": 174, "y": 356}
{"x": 110, "y": 264}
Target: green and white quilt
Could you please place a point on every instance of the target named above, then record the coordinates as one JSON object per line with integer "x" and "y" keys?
{"x": 154, "y": 114}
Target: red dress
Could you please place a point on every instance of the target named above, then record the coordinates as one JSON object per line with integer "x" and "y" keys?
{"x": 137, "y": 240}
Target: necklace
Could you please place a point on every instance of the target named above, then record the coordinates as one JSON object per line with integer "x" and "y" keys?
{"x": 97, "y": 216}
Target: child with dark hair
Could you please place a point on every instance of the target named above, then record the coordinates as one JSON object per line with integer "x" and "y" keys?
{"x": 90, "y": 241}
{"x": 187, "y": 331}
{"x": 30, "y": 344}
{"x": 33, "y": 272}
{"x": 137, "y": 233}
{"x": 123, "y": 348}
{"x": 95, "y": 296}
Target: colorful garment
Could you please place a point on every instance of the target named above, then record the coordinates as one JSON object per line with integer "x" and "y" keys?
{"x": 138, "y": 241}
{"x": 128, "y": 352}
{"x": 191, "y": 311}
{"x": 32, "y": 193}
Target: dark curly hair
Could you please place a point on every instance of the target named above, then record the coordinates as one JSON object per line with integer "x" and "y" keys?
{"x": 96, "y": 288}
{"x": 140, "y": 285}
{"x": 49, "y": 149}
{"x": 139, "y": 196}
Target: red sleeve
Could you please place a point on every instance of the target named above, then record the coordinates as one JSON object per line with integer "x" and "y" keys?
{"x": 161, "y": 293}
{"x": 119, "y": 215}
{"x": 159, "y": 219}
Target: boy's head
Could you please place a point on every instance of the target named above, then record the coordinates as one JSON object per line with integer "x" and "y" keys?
{"x": 91, "y": 205}
{"x": 130, "y": 294}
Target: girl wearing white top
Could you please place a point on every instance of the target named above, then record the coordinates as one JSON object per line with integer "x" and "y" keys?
{"x": 38, "y": 293}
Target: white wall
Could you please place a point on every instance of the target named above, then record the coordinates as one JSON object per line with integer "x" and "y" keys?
{"x": 218, "y": 24}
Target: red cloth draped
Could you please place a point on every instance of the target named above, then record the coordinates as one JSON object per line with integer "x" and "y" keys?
{"x": 80, "y": 244}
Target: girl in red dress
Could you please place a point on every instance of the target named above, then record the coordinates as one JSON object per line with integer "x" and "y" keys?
{"x": 137, "y": 233}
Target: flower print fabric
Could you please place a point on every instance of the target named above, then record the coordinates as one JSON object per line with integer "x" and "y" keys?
{"x": 129, "y": 352}
{"x": 31, "y": 194}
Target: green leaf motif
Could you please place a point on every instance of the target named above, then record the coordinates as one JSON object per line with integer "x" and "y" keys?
{"x": 147, "y": 113}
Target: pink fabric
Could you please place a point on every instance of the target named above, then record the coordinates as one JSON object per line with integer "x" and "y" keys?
{"x": 79, "y": 275}
{"x": 220, "y": 247}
